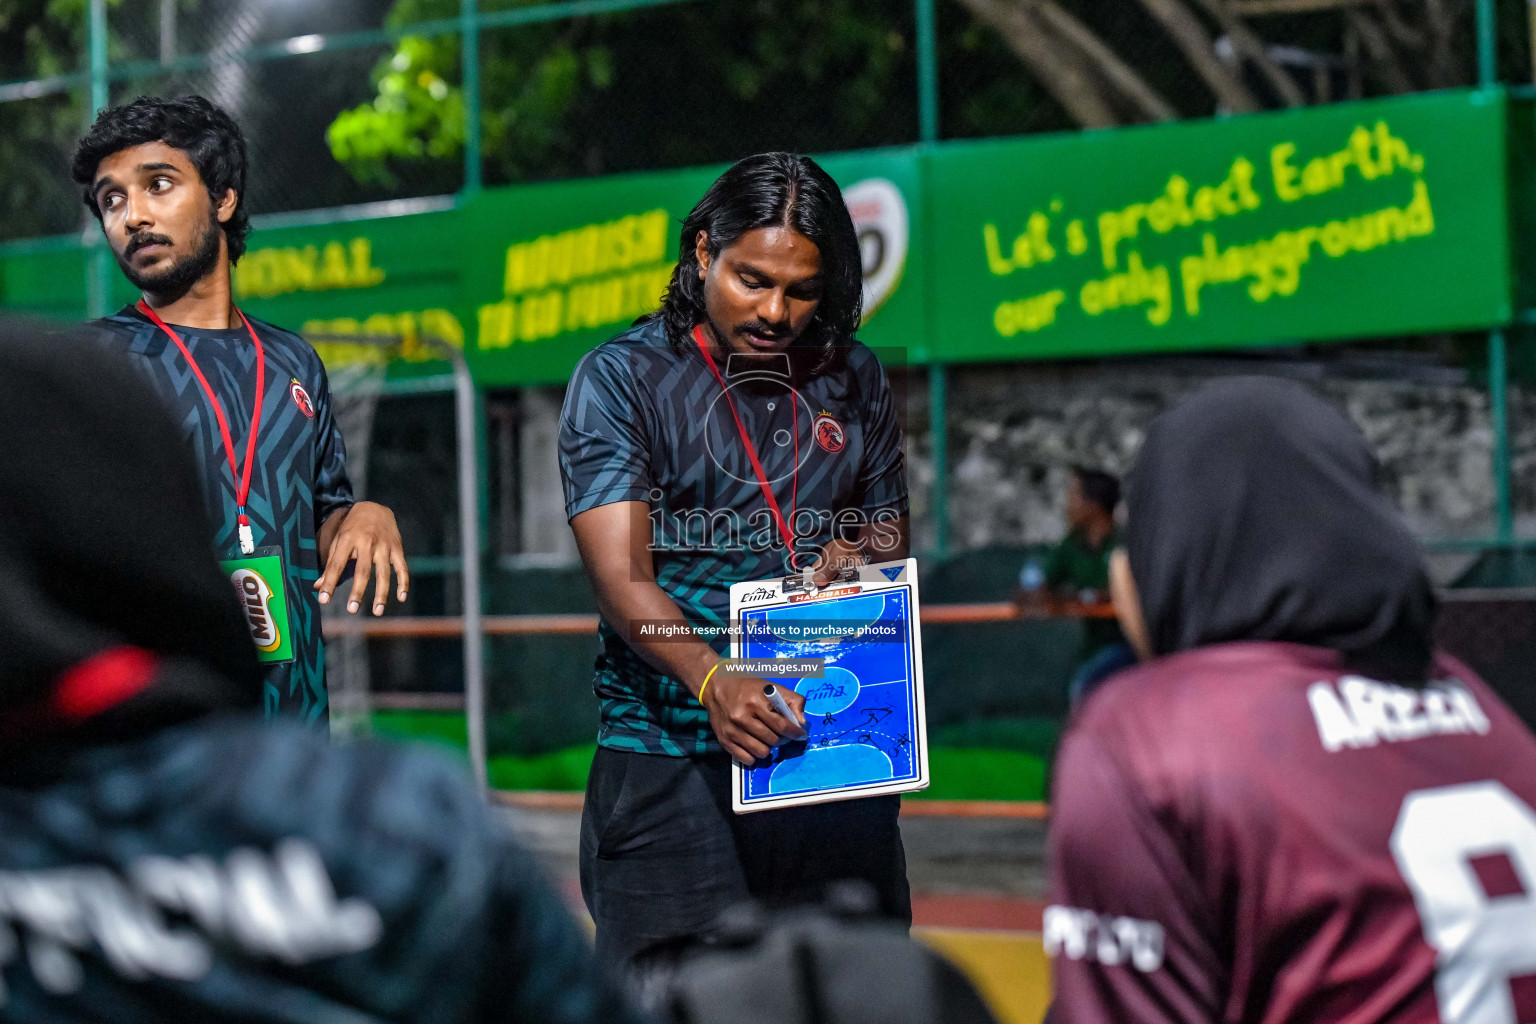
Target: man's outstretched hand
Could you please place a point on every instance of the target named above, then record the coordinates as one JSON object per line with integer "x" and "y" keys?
{"x": 366, "y": 533}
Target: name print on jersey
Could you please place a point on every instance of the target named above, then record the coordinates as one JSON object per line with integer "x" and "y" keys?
{"x": 1362, "y": 712}
{"x": 1077, "y": 934}
{"x": 280, "y": 906}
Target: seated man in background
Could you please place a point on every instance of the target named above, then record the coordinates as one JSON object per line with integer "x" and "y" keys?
{"x": 165, "y": 854}
{"x": 1299, "y": 811}
{"x": 1078, "y": 566}
{"x": 1077, "y": 570}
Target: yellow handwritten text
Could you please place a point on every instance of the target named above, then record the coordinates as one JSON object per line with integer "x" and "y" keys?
{"x": 1031, "y": 246}
{"x": 1137, "y": 285}
{"x": 1077, "y": 238}
{"x": 1029, "y": 314}
{"x": 266, "y": 273}
{"x": 1273, "y": 265}
{"x": 1372, "y": 153}
{"x": 1176, "y": 208}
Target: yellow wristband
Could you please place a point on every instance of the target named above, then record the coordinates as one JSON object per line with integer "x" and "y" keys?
{"x": 704, "y": 684}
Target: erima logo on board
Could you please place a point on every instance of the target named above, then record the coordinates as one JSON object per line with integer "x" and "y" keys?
{"x": 760, "y": 594}
{"x": 256, "y": 600}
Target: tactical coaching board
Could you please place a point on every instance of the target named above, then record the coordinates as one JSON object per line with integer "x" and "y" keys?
{"x": 868, "y": 735}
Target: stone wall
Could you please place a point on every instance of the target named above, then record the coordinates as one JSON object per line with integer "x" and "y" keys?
{"x": 1016, "y": 430}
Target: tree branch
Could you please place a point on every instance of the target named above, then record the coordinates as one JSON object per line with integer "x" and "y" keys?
{"x": 1398, "y": 29}
{"x": 1250, "y": 8}
{"x": 1442, "y": 55}
{"x": 1116, "y": 72}
{"x": 1190, "y": 37}
{"x": 1384, "y": 59}
{"x": 1247, "y": 42}
{"x": 1027, "y": 36}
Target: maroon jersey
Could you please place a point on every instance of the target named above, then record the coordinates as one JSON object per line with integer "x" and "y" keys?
{"x": 1246, "y": 832}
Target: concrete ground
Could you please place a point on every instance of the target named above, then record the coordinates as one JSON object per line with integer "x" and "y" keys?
{"x": 955, "y": 856}
{"x": 978, "y": 887}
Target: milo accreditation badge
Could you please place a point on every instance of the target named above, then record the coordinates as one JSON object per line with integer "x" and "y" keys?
{"x": 258, "y": 582}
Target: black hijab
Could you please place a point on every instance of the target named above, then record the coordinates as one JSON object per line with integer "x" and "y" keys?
{"x": 106, "y": 563}
{"x": 1255, "y": 515}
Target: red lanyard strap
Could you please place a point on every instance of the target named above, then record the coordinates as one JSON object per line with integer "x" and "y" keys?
{"x": 757, "y": 466}
{"x": 241, "y": 477}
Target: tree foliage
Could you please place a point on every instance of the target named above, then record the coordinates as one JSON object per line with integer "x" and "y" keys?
{"x": 417, "y": 115}
{"x": 712, "y": 80}
{"x": 41, "y": 39}
{"x": 690, "y": 83}
{"x": 701, "y": 82}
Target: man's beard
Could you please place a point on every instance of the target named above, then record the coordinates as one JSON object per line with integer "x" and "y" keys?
{"x": 174, "y": 281}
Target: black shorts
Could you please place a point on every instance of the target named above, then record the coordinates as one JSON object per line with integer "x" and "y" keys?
{"x": 662, "y": 853}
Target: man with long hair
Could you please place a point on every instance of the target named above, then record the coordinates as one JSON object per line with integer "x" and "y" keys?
{"x": 738, "y": 434}
{"x": 166, "y": 180}
{"x": 1297, "y": 810}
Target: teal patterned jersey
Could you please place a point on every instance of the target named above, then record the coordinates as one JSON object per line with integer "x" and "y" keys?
{"x": 300, "y": 477}
{"x": 646, "y": 420}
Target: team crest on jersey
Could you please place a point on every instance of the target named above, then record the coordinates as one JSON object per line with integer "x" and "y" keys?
{"x": 829, "y": 433}
{"x": 301, "y": 397}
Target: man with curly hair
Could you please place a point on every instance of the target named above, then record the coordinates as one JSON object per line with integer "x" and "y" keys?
{"x": 166, "y": 180}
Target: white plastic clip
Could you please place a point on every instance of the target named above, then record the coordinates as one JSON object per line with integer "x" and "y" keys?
{"x": 247, "y": 541}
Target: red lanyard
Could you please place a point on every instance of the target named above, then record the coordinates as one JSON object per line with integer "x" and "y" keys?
{"x": 757, "y": 467}
{"x": 242, "y": 478}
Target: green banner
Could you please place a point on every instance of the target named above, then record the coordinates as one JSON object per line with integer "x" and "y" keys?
{"x": 397, "y": 277}
{"x": 1335, "y": 222}
{"x": 1352, "y": 220}
{"x": 527, "y": 279}
{"x": 560, "y": 268}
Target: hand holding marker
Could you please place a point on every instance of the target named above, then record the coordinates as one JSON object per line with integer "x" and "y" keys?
{"x": 779, "y": 705}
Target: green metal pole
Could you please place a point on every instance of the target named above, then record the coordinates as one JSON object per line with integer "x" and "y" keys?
{"x": 938, "y": 426}
{"x": 469, "y": 35}
{"x": 98, "y": 36}
{"x": 938, "y": 377}
{"x": 927, "y": 72}
{"x": 483, "y": 468}
{"x": 1487, "y": 43}
{"x": 98, "y": 260}
{"x": 1498, "y": 402}
{"x": 1498, "y": 347}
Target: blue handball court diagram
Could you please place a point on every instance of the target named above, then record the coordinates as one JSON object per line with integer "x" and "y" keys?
{"x": 862, "y": 716}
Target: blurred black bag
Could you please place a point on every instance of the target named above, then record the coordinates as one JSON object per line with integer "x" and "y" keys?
{"x": 833, "y": 965}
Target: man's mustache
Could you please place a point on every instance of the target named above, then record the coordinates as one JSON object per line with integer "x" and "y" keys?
{"x": 765, "y": 330}
{"x": 140, "y": 241}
